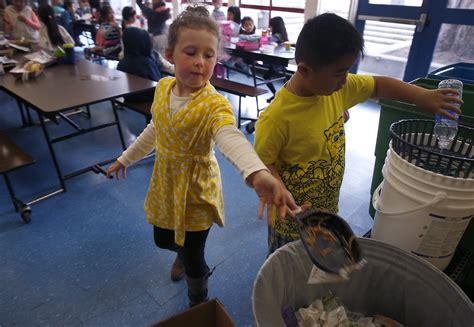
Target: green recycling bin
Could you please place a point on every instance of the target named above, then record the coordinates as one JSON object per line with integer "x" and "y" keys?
{"x": 393, "y": 111}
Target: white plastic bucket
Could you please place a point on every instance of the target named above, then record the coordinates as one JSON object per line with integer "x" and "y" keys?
{"x": 420, "y": 211}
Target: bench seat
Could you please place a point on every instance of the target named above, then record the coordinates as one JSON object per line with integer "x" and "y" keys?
{"x": 13, "y": 157}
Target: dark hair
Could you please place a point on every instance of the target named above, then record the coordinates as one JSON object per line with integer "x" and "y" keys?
{"x": 244, "y": 20}
{"x": 104, "y": 12}
{"x": 325, "y": 39}
{"x": 127, "y": 13}
{"x": 236, "y": 12}
{"x": 278, "y": 27}
{"x": 194, "y": 17}
{"x": 46, "y": 15}
{"x": 68, "y": 5}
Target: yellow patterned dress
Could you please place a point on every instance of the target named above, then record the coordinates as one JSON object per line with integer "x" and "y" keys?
{"x": 185, "y": 192}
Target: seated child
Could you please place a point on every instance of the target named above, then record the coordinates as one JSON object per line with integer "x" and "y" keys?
{"x": 20, "y": 21}
{"x": 109, "y": 34}
{"x": 248, "y": 26}
{"x": 51, "y": 34}
{"x": 129, "y": 17}
{"x": 138, "y": 59}
{"x": 84, "y": 8}
{"x": 278, "y": 35}
{"x": 233, "y": 15}
{"x": 69, "y": 17}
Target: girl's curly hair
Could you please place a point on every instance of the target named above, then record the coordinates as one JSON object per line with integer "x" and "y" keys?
{"x": 194, "y": 17}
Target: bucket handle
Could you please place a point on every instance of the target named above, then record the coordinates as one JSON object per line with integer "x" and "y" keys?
{"x": 439, "y": 196}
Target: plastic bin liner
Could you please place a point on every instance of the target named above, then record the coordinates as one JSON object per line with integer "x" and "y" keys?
{"x": 394, "y": 283}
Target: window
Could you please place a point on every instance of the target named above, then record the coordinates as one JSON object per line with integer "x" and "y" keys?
{"x": 461, "y": 4}
{"x": 340, "y": 7}
{"x": 454, "y": 45}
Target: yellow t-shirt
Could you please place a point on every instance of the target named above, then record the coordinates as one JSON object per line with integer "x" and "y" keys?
{"x": 185, "y": 192}
{"x": 304, "y": 138}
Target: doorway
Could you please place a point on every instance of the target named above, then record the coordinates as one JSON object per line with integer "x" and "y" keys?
{"x": 407, "y": 39}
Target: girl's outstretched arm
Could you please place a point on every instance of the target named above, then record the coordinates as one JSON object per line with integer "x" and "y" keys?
{"x": 116, "y": 168}
{"x": 270, "y": 193}
{"x": 292, "y": 209}
{"x": 142, "y": 146}
{"x": 235, "y": 147}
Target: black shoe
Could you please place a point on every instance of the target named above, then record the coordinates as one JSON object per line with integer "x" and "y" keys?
{"x": 270, "y": 99}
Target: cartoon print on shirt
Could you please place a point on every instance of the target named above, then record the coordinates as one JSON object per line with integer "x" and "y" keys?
{"x": 321, "y": 180}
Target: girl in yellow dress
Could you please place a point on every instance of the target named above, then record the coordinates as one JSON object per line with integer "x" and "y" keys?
{"x": 188, "y": 117}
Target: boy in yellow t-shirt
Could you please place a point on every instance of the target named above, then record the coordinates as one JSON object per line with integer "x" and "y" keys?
{"x": 300, "y": 136}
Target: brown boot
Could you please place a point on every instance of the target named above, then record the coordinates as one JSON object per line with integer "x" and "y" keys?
{"x": 177, "y": 270}
{"x": 197, "y": 290}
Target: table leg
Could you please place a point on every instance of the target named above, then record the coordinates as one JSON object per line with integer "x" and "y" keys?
{"x": 28, "y": 114}
{"x": 51, "y": 150}
{"x": 117, "y": 121}
{"x": 20, "y": 108}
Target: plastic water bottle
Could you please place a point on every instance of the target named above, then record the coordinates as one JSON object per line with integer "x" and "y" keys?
{"x": 445, "y": 129}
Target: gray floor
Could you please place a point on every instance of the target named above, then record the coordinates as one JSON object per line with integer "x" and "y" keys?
{"x": 88, "y": 257}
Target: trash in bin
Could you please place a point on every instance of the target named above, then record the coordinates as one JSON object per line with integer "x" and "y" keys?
{"x": 394, "y": 283}
{"x": 330, "y": 311}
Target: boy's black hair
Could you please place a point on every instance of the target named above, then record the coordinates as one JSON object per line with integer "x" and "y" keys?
{"x": 325, "y": 39}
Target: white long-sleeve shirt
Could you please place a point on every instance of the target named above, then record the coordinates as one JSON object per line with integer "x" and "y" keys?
{"x": 229, "y": 139}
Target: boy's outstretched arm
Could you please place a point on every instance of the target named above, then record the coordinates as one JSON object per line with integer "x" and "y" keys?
{"x": 433, "y": 101}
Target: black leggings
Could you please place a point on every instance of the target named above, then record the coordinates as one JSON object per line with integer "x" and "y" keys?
{"x": 192, "y": 253}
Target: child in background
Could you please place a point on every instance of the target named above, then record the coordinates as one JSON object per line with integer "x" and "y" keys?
{"x": 233, "y": 15}
{"x": 156, "y": 17}
{"x": 217, "y": 13}
{"x": 84, "y": 9}
{"x": 278, "y": 35}
{"x": 278, "y": 30}
{"x": 109, "y": 34}
{"x": 129, "y": 17}
{"x": 58, "y": 6}
{"x": 138, "y": 59}
{"x": 52, "y": 35}
{"x": 185, "y": 195}
{"x": 248, "y": 26}
{"x": 69, "y": 17}
{"x": 300, "y": 135}
{"x": 21, "y": 22}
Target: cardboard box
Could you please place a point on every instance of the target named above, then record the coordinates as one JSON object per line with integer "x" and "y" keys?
{"x": 208, "y": 314}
